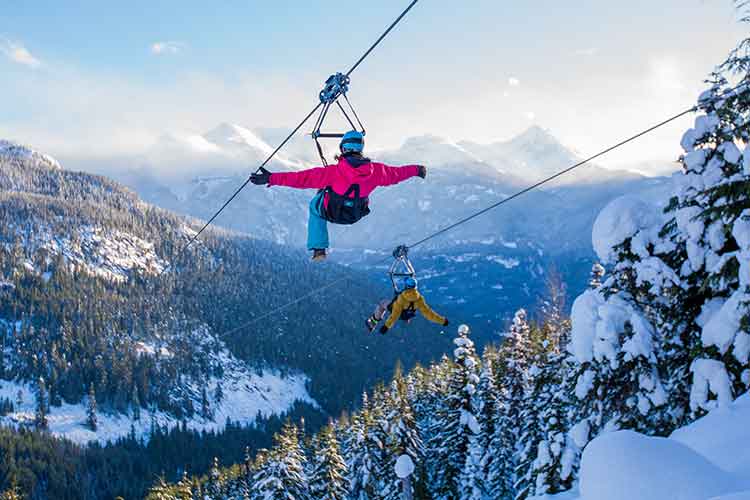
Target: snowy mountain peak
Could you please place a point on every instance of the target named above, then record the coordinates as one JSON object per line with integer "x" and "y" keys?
{"x": 235, "y": 136}
{"x": 13, "y": 151}
{"x": 536, "y": 135}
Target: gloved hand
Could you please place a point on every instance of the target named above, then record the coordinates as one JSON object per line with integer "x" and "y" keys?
{"x": 422, "y": 171}
{"x": 383, "y": 329}
{"x": 261, "y": 178}
{"x": 446, "y": 322}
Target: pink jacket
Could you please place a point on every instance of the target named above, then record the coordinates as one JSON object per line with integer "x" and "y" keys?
{"x": 342, "y": 175}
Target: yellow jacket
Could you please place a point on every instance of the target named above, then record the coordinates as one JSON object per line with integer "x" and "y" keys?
{"x": 406, "y": 299}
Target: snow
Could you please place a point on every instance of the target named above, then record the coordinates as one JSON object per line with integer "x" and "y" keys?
{"x": 584, "y": 384}
{"x": 404, "y": 466}
{"x": 706, "y": 460}
{"x": 731, "y": 152}
{"x": 109, "y": 254}
{"x": 14, "y": 151}
{"x": 625, "y": 465}
{"x": 470, "y": 421}
{"x": 507, "y": 263}
{"x": 722, "y": 436}
{"x": 709, "y": 377}
{"x": 620, "y": 220}
{"x": 247, "y": 393}
{"x": 724, "y": 325}
{"x": 584, "y": 317}
{"x": 580, "y": 433}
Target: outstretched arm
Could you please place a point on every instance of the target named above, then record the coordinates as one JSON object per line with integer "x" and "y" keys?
{"x": 387, "y": 175}
{"x": 428, "y": 313}
{"x": 313, "y": 178}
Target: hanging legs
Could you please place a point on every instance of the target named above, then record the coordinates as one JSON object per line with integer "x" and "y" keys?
{"x": 317, "y": 229}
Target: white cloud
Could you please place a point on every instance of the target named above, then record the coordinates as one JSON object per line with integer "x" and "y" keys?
{"x": 514, "y": 82}
{"x": 530, "y": 115}
{"x": 588, "y": 52}
{"x": 17, "y": 53}
{"x": 167, "y": 47}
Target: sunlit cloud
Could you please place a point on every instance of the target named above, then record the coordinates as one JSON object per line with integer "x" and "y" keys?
{"x": 167, "y": 47}
{"x": 17, "y": 53}
{"x": 514, "y": 82}
{"x": 530, "y": 115}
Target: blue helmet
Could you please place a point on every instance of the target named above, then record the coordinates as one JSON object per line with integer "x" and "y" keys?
{"x": 352, "y": 141}
{"x": 410, "y": 282}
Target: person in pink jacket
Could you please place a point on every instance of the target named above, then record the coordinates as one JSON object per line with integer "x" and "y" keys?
{"x": 343, "y": 188}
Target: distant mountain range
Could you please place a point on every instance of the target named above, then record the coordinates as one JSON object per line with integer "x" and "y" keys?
{"x": 194, "y": 175}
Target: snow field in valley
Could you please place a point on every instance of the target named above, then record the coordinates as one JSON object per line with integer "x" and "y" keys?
{"x": 246, "y": 395}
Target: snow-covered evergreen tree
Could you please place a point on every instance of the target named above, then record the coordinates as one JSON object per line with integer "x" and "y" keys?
{"x": 488, "y": 415}
{"x": 42, "y": 407}
{"x": 456, "y": 424}
{"x": 281, "y": 475}
{"x": 513, "y": 375}
{"x": 205, "y": 405}
{"x": 135, "y": 402}
{"x": 597, "y": 273}
{"x": 184, "y": 488}
{"x": 365, "y": 453}
{"x": 404, "y": 443}
{"x": 91, "y": 419}
{"x": 328, "y": 478}
{"x": 215, "y": 486}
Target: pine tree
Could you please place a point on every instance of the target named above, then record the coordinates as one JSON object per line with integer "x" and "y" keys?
{"x": 456, "y": 424}
{"x": 282, "y": 473}
{"x": 328, "y": 479}
{"x": 184, "y": 488}
{"x": 365, "y": 452}
{"x": 404, "y": 442}
{"x": 215, "y": 487}
{"x": 40, "y": 416}
{"x": 206, "y": 412}
{"x": 488, "y": 415}
{"x": 597, "y": 273}
{"x": 136, "y": 403}
{"x": 557, "y": 456}
{"x": 91, "y": 418}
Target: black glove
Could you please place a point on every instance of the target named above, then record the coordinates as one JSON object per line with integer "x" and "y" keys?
{"x": 422, "y": 171}
{"x": 261, "y": 178}
{"x": 383, "y": 329}
{"x": 446, "y": 322}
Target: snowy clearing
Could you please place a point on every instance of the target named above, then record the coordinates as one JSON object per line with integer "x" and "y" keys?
{"x": 706, "y": 460}
{"x": 245, "y": 396}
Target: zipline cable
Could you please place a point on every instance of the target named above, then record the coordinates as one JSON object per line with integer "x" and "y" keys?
{"x": 552, "y": 177}
{"x": 473, "y": 216}
{"x": 289, "y": 137}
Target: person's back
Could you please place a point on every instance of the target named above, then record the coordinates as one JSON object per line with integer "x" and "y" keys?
{"x": 408, "y": 298}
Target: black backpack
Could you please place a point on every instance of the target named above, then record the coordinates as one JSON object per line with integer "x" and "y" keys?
{"x": 344, "y": 208}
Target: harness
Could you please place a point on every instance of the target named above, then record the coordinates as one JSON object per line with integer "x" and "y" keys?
{"x": 401, "y": 268}
{"x": 335, "y": 87}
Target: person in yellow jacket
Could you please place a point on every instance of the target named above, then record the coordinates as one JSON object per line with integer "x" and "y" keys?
{"x": 404, "y": 306}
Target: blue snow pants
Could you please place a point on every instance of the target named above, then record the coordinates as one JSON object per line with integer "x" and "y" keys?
{"x": 317, "y": 226}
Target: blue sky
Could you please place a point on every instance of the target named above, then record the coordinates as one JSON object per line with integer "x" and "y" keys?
{"x": 98, "y": 78}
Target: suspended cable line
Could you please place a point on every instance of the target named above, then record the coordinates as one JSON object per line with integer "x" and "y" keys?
{"x": 474, "y": 215}
{"x": 289, "y": 137}
{"x": 552, "y": 177}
